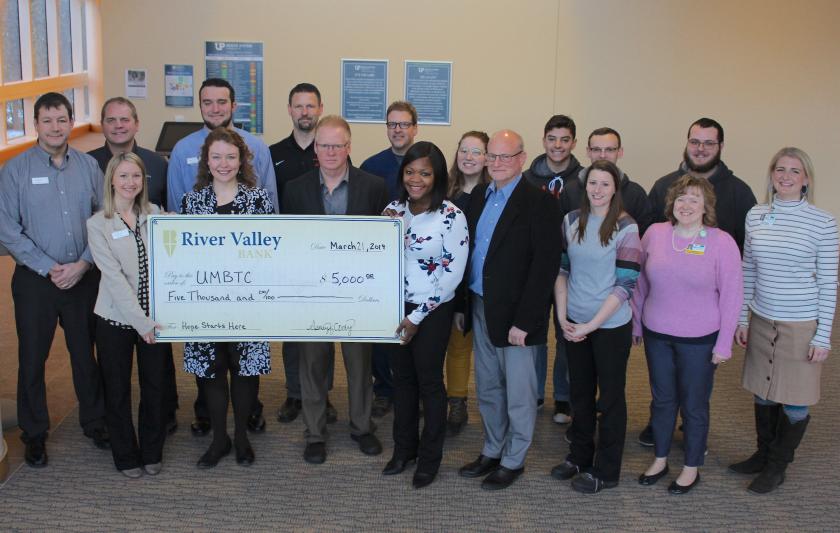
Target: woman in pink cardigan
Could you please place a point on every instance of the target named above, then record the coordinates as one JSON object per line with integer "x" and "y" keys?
{"x": 685, "y": 307}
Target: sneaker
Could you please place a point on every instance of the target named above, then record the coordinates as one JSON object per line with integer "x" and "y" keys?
{"x": 457, "y": 416}
{"x": 381, "y": 406}
{"x": 289, "y": 410}
{"x": 562, "y": 412}
{"x": 646, "y": 436}
{"x": 540, "y": 403}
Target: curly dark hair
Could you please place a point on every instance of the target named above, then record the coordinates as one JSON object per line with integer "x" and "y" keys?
{"x": 246, "y": 174}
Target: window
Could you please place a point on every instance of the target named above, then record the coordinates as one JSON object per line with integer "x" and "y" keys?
{"x": 44, "y": 48}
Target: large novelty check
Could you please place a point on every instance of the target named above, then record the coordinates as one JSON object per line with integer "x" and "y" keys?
{"x": 276, "y": 277}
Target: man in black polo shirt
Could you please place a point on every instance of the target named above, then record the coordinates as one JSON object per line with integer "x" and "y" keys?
{"x": 120, "y": 125}
{"x": 293, "y": 157}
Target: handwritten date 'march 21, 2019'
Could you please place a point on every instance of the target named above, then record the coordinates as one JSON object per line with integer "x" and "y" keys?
{"x": 276, "y": 277}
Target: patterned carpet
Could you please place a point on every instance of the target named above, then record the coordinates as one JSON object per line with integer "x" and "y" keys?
{"x": 81, "y": 490}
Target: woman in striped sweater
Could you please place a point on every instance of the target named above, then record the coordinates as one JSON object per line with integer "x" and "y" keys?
{"x": 599, "y": 267}
{"x": 790, "y": 291}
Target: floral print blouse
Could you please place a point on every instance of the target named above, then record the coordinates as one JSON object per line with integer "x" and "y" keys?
{"x": 436, "y": 247}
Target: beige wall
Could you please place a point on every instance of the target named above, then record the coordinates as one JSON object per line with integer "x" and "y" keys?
{"x": 768, "y": 70}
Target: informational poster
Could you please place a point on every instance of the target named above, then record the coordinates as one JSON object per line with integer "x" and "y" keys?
{"x": 364, "y": 89}
{"x": 178, "y": 88}
{"x": 428, "y": 85}
{"x": 242, "y": 65}
{"x": 135, "y": 83}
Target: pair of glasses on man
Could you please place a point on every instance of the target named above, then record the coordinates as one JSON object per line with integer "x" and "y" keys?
{"x": 400, "y": 125}
{"x": 504, "y": 158}
{"x": 697, "y": 143}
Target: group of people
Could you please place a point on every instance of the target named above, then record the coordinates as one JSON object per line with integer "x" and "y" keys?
{"x": 490, "y": 247}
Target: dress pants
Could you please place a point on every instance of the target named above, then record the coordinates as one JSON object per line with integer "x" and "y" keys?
{"x": 39, "y": 305}
{"x": 418, "y": 376}
{"x": 170, "y": 386}
{"x": 115, "y": 349}
{"x": 314, "y": 384}
{"x": 681, "y": 377}
{"x": 506, "y": 382}
{"x": 598, "y": 366}
{"x": 291, "y": 367}
{"x": 458, "y": 361}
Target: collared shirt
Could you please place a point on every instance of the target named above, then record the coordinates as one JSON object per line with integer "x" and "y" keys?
{"x": 335, "y": 202}
{"x": 44, "y": 207}
{"x": 290, "y": 160}
{"x": 155, "y": 171}
{"x": 183, "y": 165}
{"x": 496, "y": 201}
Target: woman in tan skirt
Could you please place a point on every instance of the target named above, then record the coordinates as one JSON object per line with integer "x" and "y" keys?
{"x": 790, "y": 291}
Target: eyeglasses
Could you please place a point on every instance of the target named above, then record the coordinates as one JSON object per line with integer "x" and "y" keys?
{"x": 504, "y": 158}
{"x": 697, "y": 143}
{"x": 476, "y": 152}
{"x": 330, "y": 147}
{"x": 602, "y": 151}
{"x": 401, "y": 125}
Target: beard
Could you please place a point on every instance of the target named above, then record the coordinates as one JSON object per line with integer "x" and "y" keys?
{"x": 306, "y": 124}
{"x": 701, "y": 169}
{"x": 224, "y": 124}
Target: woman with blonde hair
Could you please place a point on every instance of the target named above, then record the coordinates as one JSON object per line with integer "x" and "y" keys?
{"x": 790, "y": 292}
{"x": 118, "y": 237}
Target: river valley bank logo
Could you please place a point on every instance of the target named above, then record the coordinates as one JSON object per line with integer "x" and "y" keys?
{"x": 170, "y": 241}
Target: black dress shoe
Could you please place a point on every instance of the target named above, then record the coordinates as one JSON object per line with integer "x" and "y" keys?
{"x": 480, "y": 467}
{"x": 368, "y": 443}
{"x": 171, "y": 425}
{"x": 36, "y": 453}
{"x": 589, "y": 484}
{"x": 244, "y": 453}
{"x": 212, "y": 456}
{"x": 423, "y": 479}
{"x": 100, "y": 438}
{"x": 675, "y": 488}
{"x": 256, "y": 423}
{"x": 501, "y": 478}
{"x": 646, "y": 480}
{"x": 565, "y": 470}
{"x": 315, "y": 453}
{"x": 289, "y": 410}
{"x": 200, "y": 426}
{"x": 397, "y": 465}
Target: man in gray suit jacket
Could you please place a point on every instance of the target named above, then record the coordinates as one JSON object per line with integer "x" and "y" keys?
{"x": 335, "y": 188}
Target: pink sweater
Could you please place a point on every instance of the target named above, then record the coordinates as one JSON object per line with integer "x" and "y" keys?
{"x": 689, "y": 295}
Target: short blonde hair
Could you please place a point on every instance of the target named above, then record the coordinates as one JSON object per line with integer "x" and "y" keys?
{"x": 333, "y": 121}
{"x": 141, "y": 201}
{"x": 807, "y": 166}
{"x": 680, "y": 187}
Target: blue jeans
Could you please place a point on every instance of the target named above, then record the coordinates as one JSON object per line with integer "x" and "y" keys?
{"x": 681, "y": 378}
{"x": 560, "y": 376}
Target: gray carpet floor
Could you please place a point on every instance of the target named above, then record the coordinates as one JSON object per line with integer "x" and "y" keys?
{"x": 81, "y": 490}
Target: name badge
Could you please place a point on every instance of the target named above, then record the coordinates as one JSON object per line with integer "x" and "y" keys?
{"x": 45, "y": 180}
{"x": 696, "y": 249}
{"x": 192, "y": 160}
{"x": 769, "y": 219}
{"x": 119, "y": 234}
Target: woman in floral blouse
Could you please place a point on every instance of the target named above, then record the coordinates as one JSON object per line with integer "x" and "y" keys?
{"x": 436, "y": 248}
{"x": 226, "y": 184}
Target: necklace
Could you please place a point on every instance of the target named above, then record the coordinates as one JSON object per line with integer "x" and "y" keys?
{"x": 701, "y": 233}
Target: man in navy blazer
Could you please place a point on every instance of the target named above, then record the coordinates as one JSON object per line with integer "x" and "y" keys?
{"x": 515, "y": 257}
{"x": 335, "y": 188}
